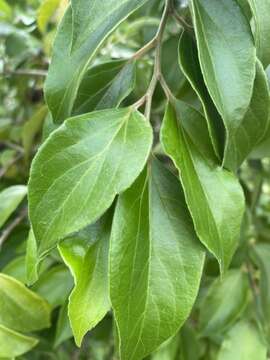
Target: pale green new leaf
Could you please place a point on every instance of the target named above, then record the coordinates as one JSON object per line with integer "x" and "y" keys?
{"x": 214, "y": 196}
{"x": 189, "y": 63}
{"x": 10, "y": 199}
{"x": 243, "y": 342}
{"x": 20, "y": 308}
{"x": 155, "y": 262}
{"x": 82, "y": 30}
{"x": 89, "y": 300}
{"x": 224, "y": 302}
{"x": 261, "y": 12}
{"x": 227, "y": 57}
{"x": 80, "y": 169}
{"x": 14, "y": 344}
{"x": 105, "y": 86}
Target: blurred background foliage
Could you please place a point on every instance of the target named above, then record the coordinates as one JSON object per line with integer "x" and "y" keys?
{"x": 234, "y": 305}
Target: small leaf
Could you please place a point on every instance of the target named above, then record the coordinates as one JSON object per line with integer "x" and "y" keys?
{"x": 261, "y": 11}
{"x": 31, "y": 266}
{"x": 227, "y": 57}
{"x": 243, "y": 341}
{"x": 89, "y": 300}
{"x": 155, "y": 262}
{"x": 14, "y": 344}
{"x": 105, "y": 86}
{"x": 82, "y": 30}
{"x": 189, "y": 63}
{"x": 20, "y": 308}
{"x": 54, "y": 285}
{"x": 225, "y": 301}
{"x": 10, "y": 199}
{"x": 80, "y": 169}
{"x": 214, "y": 196}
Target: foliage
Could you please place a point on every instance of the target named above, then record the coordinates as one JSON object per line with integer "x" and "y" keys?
{"x": 135, "y": 179}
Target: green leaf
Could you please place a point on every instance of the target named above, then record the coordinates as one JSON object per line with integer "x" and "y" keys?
{"x": 105, "y": 86}
{"x": 260, "y": 255}
{"x": 54, "y": 285}
{"x": 16, "y": 268}
{"x": 20, "y": 308}
{"x": 243, "y": 342}
{"x": 80, "y": 169}
{"x": 31, "y": 129}
{"x": 224, "y": 302}
{"x": 45, "y": 12}
{"x": 227, "y": 57}
{"x": 155, "y": 262}
{"x": 89, "y": 300}
{"x": 189, "y": 63}
{"x": 10, "y": 199}
{"x": 255, "y": 123}
{"x": 63, "y": 329}
{"x": 82, "y": 30}
{"x": 31, "y": 268}
{"x": 214, "y": 196}
{"x": 14, "y": 344}
{"x": 261, "y": 10}
{"x": 5, "y": 10}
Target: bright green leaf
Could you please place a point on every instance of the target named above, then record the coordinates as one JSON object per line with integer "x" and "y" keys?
{"x": 243, "y": 342}
{"x": 10, "y": 199}
{"x": 214, "y": 196}
{"x": 155, "y": 262}
{"x": 5, "y": 10}
{"x": 80, "y": 169}
{"x": 89, "y": 300}
{"x": 14, "y": 344}
{"x": 82, "y": 30}
{"x": 227, "y": 57}
{"x": 45, "y": 12}
{"x": 20, "y": 308}
{"x": 224, "y": 302}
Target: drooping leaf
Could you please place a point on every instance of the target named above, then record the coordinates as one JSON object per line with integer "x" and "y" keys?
{"x": 14, "y": 344}
{"x": 224, "y": 302}
{"x": 261, "y": 10}
{"x": 63, "y": 329}
{"x": 20, "y": 308}
{"x": 189, "y": 63}
{"x": 255, "y": 123}
{"x": 10, "y": 198}
{"x": 89, "y": 300}
{"x": 105, "y": 86}
{"x": 243, "y": 342}
{"x": 155, "y": 262}
{"x": 82, "y": 30}
{"x": 80, "y": 169}
{"x": 214, "y": 196}
{"x": 227, "y": 57}
{"x": 54, "y": 285}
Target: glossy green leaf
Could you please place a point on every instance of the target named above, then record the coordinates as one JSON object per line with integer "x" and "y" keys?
{"x": 155, "y": 262}
{"x": 80, "y": 169}
{"x": 82, "y": 30}
{"x": 14, "y": 344}
{"x": 189, "y": 63}
{"x": 243, "y": 342}
{"x": 10, "y": 199}
{"x": 54, "y": 285}
{"x": 224, "y": 302}
{"x": 105, "y": 86}
{"x": 255, "y": 123}
{"x": 89, "y": 300}
{"x": 20, "y": 308}
{"x": 214, "y": 196}
{"x": 261, "y": 10}
{"x": 227, "y": 57}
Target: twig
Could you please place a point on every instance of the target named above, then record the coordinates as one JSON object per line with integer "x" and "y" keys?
{"x": 13, "y": 146}
{"x": 182, "y": 22}
{"x": 26, "y": 72}
{"x": 8, "y": 230}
